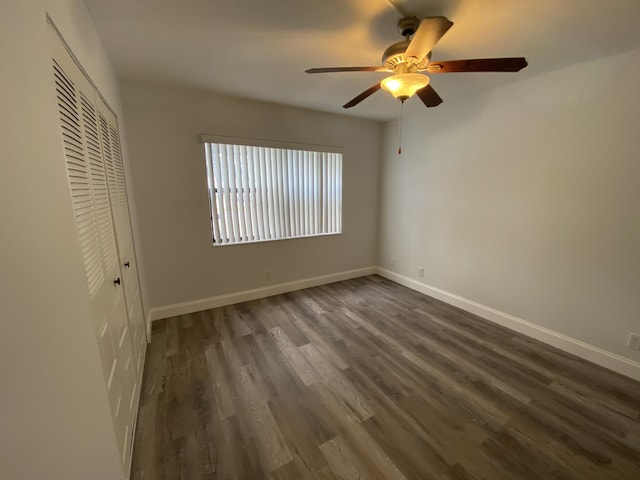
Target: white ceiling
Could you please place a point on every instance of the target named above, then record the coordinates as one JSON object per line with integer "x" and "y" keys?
{"x": 260, "y": 48}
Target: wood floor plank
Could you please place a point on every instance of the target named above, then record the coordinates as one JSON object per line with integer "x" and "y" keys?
{"x": 366, "y": 379}
{"x": 377, "y": 462}
{"x": 286, "y": 322}
{"x": 222, "y": 397}
{"x": 450, "y": 430}
{"x": 305, "y": 421}
{"x": 286, "y": 472}
{"x": 279, "y": 377}
{"x": 335, "y": 381}
{"x": 320, "y": 343}
{"x": 273, "y": 450}
{"x": 238, "y": 324}
{"x": 296, "y": 360}
{"x": 342, "y": 460}
{"x": 173, "y": 336}
{"x": 236, "y": 456}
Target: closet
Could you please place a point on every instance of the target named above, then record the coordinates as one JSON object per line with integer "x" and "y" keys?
{"x": 93, "y": 157}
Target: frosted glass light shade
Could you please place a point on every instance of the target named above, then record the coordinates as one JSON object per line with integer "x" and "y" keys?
{"x": 404, "y": 85}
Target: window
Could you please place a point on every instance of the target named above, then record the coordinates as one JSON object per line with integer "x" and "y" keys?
{"x": 267, "y": 192}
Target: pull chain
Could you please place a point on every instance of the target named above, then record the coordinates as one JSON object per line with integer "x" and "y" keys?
{"x": 399, "y": 127}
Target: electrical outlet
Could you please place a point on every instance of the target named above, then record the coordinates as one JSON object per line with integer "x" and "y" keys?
{"x": 267, "y": 275}
{"x": 421, "y": 271}
{"x": 633, "y": 342}
{"x": 393, "y": 261}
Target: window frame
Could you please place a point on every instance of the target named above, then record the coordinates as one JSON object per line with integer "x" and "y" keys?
{"x": 213, "y": 190}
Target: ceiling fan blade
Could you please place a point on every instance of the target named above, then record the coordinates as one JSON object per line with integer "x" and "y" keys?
{"x": 345, "y": 69}
{"x": 362, "y": 96}
{"x": 514, "y": 64}
{"x": 429, "y": 32}
{"x": 429, "y": 96}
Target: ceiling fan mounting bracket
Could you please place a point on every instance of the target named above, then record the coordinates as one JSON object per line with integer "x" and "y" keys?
{"x": 407, "y": 26}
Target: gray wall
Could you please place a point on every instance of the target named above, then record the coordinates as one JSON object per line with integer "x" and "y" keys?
{"x": 168, "y": 168}
{"x": 55, "y": 421}
{"x": 525, "y": 200}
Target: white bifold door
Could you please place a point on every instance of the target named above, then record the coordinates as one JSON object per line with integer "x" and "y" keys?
{"x": 114, "y": 167}
{"x": 95, "y": 171}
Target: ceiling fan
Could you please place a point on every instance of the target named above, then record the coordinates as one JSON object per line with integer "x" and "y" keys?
{"x": 412, "y": 56}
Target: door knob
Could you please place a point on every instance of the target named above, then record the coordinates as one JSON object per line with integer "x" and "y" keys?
{"x": 116, "y": 281}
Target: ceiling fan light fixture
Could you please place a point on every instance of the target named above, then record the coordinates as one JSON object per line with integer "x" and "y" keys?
{"x": 404, "y": 85}
{"x": 412, "y": 55}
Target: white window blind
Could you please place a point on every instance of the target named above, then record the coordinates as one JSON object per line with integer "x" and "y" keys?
{"x": 260, "y": 193}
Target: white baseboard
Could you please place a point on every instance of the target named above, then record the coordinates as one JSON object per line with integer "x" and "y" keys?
{"x": 581, "y": 349}
{"x": 183, "y": 308}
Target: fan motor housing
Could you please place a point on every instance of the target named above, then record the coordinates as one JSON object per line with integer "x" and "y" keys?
{"x": 394, "y": 56}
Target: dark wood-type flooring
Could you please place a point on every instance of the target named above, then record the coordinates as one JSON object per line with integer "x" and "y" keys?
{"x": 366, "y": 379}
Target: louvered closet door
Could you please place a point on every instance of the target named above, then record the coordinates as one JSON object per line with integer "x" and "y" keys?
{"x": 122, "y": 222}
{"x": 79, "y": 121}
